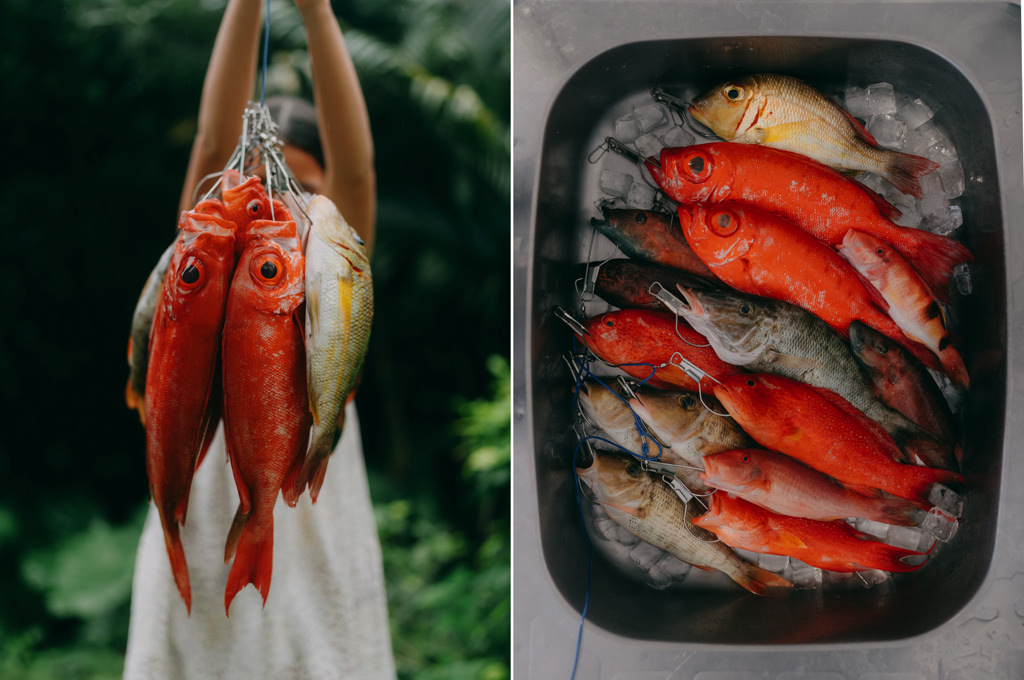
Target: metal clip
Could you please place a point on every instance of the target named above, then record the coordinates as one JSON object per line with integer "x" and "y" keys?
{"x": 673, "y": 102}
{"x": 685, "y": 495}
{"x": 674, "y": 304}
{"x": 564, "y": 315}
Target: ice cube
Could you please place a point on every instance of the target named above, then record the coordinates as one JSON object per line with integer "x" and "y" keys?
{"x": 947, "y": 500}
{"x": 888, "y": 131}
{"x": 641, "y": 196}
{"x": 908, "y": 538}
{"x": 606, "y": 528}
{"x": 657, "y": 579}
{"x": 939, "y": 525}
{"x": 920, "y": 139}
{"x": 933, "y": 201}
{"x": 649, "y": 145}
{"x": 870, "y": 526}
{"x": 645, "y": 555}
{"x": 857, "y": 101}
{"x": 674, "y": 567}
{"x": 942, "y": 152}
{"x": 627, "y": 129}
{"x": 615, "y": 183}
{"x": 952, "y": 176}
{"x": 881, "y": 99}
{"x": 931, "y": 183}
{"x": 944, "y": 221}
{"x": 650, "y": 116}
{"x": 677, "y": 136}
{"x": 776, "y": 563}
{"x": 910, "y": 216}
{"x": 962, "y": 276}
{"x": 805, "y": 577}
{"x": 914, "y": 113}
{"x": 873, "y": 182}
{"x": 872, "y": 577}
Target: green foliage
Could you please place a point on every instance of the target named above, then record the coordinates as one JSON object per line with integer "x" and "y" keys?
{"x": 450, "y": 602}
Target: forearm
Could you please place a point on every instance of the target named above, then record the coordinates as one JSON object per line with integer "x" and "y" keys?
{"x": 228, "y": 86}
{"x": 349, "y": 178}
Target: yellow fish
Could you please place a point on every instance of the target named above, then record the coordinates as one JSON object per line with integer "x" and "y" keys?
{"x": 785, "y": 113}
{"x": 339, "y": 313}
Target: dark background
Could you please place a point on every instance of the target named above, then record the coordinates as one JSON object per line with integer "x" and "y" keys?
{"x": 100, "y": 98}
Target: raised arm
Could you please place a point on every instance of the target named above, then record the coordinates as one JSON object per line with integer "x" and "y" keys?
{"x": 228, "y": 86}
{"x": 349, "y": 177}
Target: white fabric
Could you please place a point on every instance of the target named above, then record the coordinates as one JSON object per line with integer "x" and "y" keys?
{"x": 326, "y": 615}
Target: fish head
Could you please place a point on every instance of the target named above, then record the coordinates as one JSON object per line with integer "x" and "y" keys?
{"x": 606, "y": 331}
{"x": 877, "y": 351}
{"x": 200, "y": 269}
{"x": 746, "y": 397}
{"x": 719, "y": 234}
{"x": 689, "y": 174}
{"x": 735, "y": 471}
{"x": 328, "y": 224}
{"x": 738, "y": 326}
{"x": 639, "y": 233}
{"x": 616, "y": 480}
{"x": 603, "y": 405}
{"x": 722, "y": 108}
{"x": 730, "y": 514}
{"x": 246, "y": 198}
{"x": 672, "y": 415}
{"x": 870, "y": 256}
{"x": 270, "y": 273}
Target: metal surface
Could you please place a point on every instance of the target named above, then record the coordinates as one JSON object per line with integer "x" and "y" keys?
{"x": 962, "y": 617}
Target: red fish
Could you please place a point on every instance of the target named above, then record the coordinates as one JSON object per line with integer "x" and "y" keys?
{"x": 821, "y": 429}
{"x": 651, "y": 236}
{"x": 643, "y": 343}
{"x": 784, "y": 485}
{"x": 266, "y": 416}
{"x": 180, "y": 396}
{"x": 759, "y": 253}
{"x": 835, "y": 546}
{"x": 816, "y": 198}
{"x": 911, "y": 304}
{"x": 244, "y": 201}
{"x": 904, "y": 385}
{"x": 627, "y": 283}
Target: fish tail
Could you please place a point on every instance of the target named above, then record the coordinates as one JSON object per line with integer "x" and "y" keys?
{"x": 903, "y": 169}
{"x": 291, "y": 488}
{"x": 919, "y": 444}
{"x": 234, "y": 533}
{"x": 254, "y": 558}
{"x": 898, "y": 511}
{"x": 933, "y": 256}
{"x": 919, "y": 481}
{"x": 758, "y": 580}
{"x": 179, "y": 567}
{"x": 315, "y": 467}
{"x": 878, "y": 555}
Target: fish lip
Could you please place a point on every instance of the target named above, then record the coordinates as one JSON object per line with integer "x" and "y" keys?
{"x": 654, "y": 167}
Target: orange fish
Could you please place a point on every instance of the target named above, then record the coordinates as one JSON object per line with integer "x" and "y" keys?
{"x": 243, "y": 202}
{"x": 759, "y": 253}
{"x": 835, "y": 546}
{"x": 786, "y": 486}
{"x": 266, "y": 416}
{"x": 181, "y": 399}
{"x": 814, "y": 197}
{"x": 822, "y": 430}
{"x": 647, "y": 345}
{"x": 911, "y": 304}
{"x": 786, "y": 113}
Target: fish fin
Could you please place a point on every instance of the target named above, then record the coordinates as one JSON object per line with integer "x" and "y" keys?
{"x": 135, "y": 401}
{"x": 887, "y": 209}
{"x": 314, "y": 468}
{"x": 792, "y": 361}
{"x": 859, "y": 128}
{"x": 234, "y": 533}
{"x": 623, "y": 508}
{"x": 179, "y": 567}
{"x": 292, "y": 486}
{"x": 758, "y": 580}
{"x": 903, "y": 169}
{"x": 933, "y": 256}
{"x": 254, "y": 560}
{"x": 789, "y": 540}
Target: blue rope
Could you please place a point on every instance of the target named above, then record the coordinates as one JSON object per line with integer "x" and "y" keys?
{"x": 266, "y": 49}
{"x": 590, "y": 561}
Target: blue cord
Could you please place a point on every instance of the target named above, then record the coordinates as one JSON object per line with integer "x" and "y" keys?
{"x": 266, "y": 49}
{"x": 590, "y": 560}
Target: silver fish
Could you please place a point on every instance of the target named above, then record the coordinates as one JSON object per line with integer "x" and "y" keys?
{"x": 138, "y": 340}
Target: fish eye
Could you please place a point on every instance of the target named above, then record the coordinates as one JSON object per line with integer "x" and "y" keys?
{"x": 632, "y": 468}
{"x": 745, "y": 458}
{"x": 734, "y": 93}
{"x": 268, "y": 270}
{"x": 879, "y": 251}
{"x": 751, "y": 382}
{"x": 640, "y": 218}
{"x": 687, "y": 401}
{"x": 192, "y": 274}
{"x": 722, "y": 223}
{"x": 254, "y": 207}
{"x": 610, "y": 323}
{"x": 744, "y": 308}
{"x": 696, "y": 165}
{"x": 882, "y": 349}
{"x": 359, "y": 239}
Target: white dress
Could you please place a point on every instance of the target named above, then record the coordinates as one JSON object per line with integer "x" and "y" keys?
{"x": 326, "y": 614}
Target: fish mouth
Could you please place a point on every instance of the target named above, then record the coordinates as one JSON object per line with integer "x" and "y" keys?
{"x": 654, "y": 167}
{"x": 690, "y": 301}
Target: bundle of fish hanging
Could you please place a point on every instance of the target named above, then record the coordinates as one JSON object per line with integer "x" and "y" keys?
{"x": 244, "y": 321}
{"x": 781, "y": 298}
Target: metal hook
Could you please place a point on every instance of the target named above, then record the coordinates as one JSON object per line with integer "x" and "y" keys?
{"x": 575, "y": 324}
